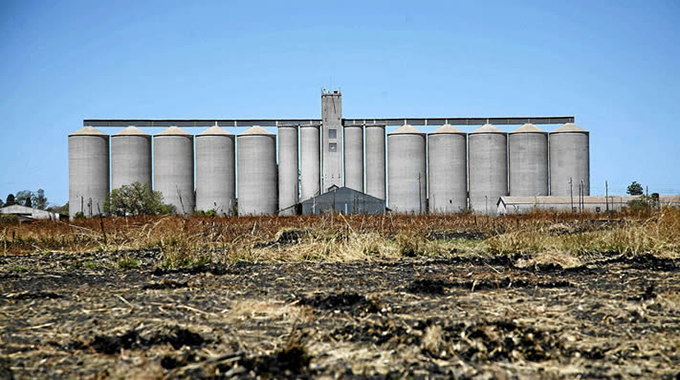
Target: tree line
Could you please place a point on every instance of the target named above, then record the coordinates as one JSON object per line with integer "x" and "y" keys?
{"x": 27, "y": 198}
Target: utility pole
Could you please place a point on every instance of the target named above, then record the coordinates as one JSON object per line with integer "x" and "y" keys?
{"x": 583, "y": 196}
{"x": 606, "y": 196}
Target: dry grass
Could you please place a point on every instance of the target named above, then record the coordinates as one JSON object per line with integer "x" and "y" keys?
{"x": 547, "y": 237}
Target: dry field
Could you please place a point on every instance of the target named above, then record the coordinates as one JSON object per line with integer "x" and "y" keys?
{"x": 463, "y": 296}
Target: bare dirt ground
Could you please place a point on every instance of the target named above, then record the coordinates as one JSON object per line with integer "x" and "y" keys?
{"x": 83, "y": 316}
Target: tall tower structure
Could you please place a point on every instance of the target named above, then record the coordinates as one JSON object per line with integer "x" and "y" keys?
{"x": 331, "y": 139}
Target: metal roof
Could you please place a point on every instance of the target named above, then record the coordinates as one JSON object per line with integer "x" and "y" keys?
{"x": 565, "y": 200}
{"x": 406, "y": 130}
{"x": 88, "y": 131}
{"x": 173, "y": 131}
{"x": 256, "y": 130}
{"x": 433, "y": 121}
{"x": 131, "y": 131}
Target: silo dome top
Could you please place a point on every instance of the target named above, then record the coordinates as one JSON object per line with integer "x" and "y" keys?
{"x": 406, "y": 130}
{"x": 487, "y": 128}
{"x": 447, "y": 129}
{"x": 131, "y": 131}
{"x": 215, "y": 130}
{"x": 569, "y": 128}
{"x": 88, "y": 131}
{"x": 528, "y": 128}
{"x": 256, "y": 130}
{"x": 173, "y": 131}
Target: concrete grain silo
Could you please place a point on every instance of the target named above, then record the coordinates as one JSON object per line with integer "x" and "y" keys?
{"x": 173, "y": 153}
{"x": 215, "y": 171}
{"x": 407, "y": 179}
{"x": 130, "y": 157}
{"x": 569, "y": 159}
{"x": 88, "y": 171}
{"x": 310, "y": 161}
{"x": 257, "y": 173}
{"x": 488, "y": 165}
{"x": 354, "y": 157}
{"x": 528, "y": 152}
{"x": 375, "y": 161}
{"x": 447, "y": 156}
{"x": 288, "y": 169}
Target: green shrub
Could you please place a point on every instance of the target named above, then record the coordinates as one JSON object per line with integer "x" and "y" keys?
{"x": 136, "y": 199}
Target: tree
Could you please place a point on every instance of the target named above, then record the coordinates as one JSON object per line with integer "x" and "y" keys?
{"x": 59, "y": 209}
{"x": 10, "y": 200}
{"x": 634, "y": 189}
{"x": 1, "y": 202}
{"x": 28, "y": 202}
{"x": 23, "y": 197}
{"x": 136, "y": 199}
{"x": 39, "y": 199}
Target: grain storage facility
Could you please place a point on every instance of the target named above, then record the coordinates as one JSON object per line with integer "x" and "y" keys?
{"x": 528, "y": 152}
{"x": 215, "y": 171}
{"x": 257, "y": 174}
{"x": 569, "y": 160}
{"x": 310, "y": 177}
{"x": 130, "y": 158}
{"x": 488, "y": 166}
{"x": 447, "y": 171}
{"x": 88, "y": 171}
{"x": 375, "y": 161}
{"x": 173, "y": 155}
{"x": 407, "y": 178}
{"x": 447, "y": 176}
{"x": 288, "y": 169}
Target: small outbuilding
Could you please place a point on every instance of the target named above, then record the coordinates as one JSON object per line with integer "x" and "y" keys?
{"x": 27, "y": 213}
{"x": 518, "y": 205}
{"x": 345, "y": 201}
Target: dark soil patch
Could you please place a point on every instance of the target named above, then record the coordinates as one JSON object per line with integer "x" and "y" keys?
{"x": 214, "y": 269}
{"x": 288, "y": 237}
{"x": 347, "y": 302}
{"x": 375, "y": 332}
{"x": 34, "y": 296}
{"x": 438, "y": 286}
{"x": 651, "y": 262}
{"x": 451, "y": 235}
{"x": 428, "y": 286}
{"x": 290, "y": 362}
{"x": 176, "y": 336}
{"x": 165, "y": 284}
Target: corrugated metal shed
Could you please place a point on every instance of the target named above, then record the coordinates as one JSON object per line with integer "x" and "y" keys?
{"x": 345, "y": 201}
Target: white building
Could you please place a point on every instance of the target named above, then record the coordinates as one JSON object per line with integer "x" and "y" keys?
{"x": 28, "y": 213}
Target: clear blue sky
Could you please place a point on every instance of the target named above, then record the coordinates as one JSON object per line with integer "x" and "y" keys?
{"x": 614, "y": 65}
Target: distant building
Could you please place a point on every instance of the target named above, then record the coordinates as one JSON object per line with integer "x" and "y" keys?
{"x": 518, "y": 205}
{"x": 343, "y": 200}
{"x": 669, "y": 200}
{"x": 28, "y": 213}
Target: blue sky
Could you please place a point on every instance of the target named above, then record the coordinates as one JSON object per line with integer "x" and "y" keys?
{"x": 615, "y": 65}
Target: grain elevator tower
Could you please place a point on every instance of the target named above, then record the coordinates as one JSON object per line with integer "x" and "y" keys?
{"x": 331, "y": 140}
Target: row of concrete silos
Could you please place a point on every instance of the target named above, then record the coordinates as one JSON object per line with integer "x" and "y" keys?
{"x": 498, "y": 164}
{"x": 173, "y": 168}
{"x": 265, "y": 190}
{"x": 262, "y": 188}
